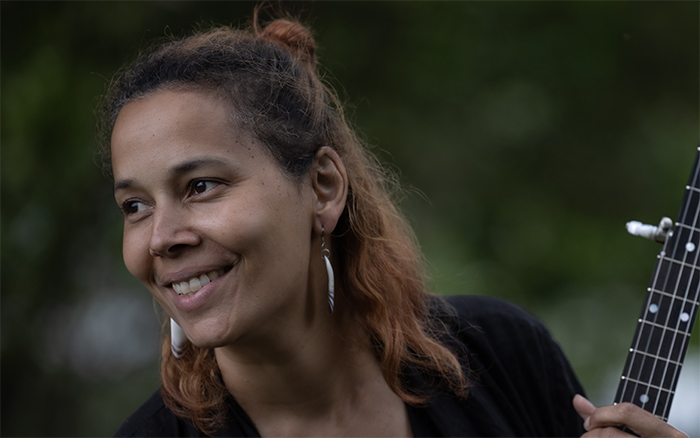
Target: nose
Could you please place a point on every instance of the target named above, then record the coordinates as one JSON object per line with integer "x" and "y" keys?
{"x": 172, "y": 233}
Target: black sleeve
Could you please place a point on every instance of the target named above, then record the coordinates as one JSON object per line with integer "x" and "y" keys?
{"x": 520, "y": 373}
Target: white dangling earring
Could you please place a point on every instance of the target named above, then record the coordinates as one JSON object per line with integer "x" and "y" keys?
{"x": 178, "y": 339}
{"x": 325, "y": 252}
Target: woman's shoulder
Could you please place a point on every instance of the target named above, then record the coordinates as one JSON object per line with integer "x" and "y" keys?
{"x": 483, "y": 316}
{"x": 154, "y": 419}
{"x": 516, "y": 366}
{"x": 485, "y": 308}
{"x": 496, "y": 329}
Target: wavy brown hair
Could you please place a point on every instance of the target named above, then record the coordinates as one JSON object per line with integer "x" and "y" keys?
{"x": 269, "y": 77}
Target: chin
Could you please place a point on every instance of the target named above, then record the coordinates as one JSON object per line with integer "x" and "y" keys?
{"x": 209, "y": 337}
{"x": 208, "y": 343}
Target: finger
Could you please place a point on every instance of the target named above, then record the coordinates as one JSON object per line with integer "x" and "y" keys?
{"x": 584, "y": 408}
{"x": 635, "y": 418}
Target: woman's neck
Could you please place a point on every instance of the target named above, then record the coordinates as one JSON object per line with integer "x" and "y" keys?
{"x": 323, "y": 384}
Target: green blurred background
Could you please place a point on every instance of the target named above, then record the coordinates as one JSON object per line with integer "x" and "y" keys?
{"x": 526, "y": 134}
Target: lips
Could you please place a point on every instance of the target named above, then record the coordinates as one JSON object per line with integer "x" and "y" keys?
{"x": 189, "y": 287}
{"x": 191, "y": 291}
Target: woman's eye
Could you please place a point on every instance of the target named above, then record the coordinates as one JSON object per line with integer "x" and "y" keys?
{"x": 133, "y": 207}
{"x": 202, "y": 186}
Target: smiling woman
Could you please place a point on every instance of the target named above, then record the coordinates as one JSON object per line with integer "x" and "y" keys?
{"x": 202, "y": 209}
{"x": 250, "y": 206}
{"x": 236, "y": 175}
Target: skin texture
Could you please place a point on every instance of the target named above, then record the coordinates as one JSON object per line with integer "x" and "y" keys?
{"x": 198, "y": 196}
{"x": 603, "y": 421}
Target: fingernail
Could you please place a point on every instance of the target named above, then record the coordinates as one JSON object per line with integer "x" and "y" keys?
{"x": 587, "y": 423}
{"x": 584, "y": 398}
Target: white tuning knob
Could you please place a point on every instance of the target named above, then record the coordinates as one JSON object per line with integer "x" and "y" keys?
{"x": 651, "y": 232}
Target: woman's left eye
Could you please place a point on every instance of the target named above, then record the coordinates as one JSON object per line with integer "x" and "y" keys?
{"x": 201, "y": 186}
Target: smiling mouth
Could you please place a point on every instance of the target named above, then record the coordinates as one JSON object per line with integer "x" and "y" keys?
{"x": 190, "y": 287}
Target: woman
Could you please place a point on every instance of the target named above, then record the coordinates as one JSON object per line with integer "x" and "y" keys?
{"x": 266, "y": 232}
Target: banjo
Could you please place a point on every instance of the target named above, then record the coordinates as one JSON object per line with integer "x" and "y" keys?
{"x": 661, "y": 339}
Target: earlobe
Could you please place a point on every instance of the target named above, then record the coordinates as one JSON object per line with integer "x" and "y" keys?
{"x": 330, "y": 185}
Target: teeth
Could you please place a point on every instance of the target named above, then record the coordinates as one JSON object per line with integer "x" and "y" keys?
{"x": 203, "y": 280}
{"x": 195, "y": 285}
{"x": 185, "y": 288}
{"x": 188, "y": 288}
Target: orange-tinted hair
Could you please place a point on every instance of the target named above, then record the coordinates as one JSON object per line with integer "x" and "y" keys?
{"x": 269, "y": 76}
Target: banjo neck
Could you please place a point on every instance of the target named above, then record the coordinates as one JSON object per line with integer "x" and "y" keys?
{"x": 662, "y": 336}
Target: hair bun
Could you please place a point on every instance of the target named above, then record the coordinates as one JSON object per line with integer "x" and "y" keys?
{"x": 294, "y": 38}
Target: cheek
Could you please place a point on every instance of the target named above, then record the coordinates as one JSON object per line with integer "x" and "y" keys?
{"x": 136, "y": 255}
{"x": 239, "y": 222}
{"x": 238, "y": 230}
{"x": 265, "y": 230}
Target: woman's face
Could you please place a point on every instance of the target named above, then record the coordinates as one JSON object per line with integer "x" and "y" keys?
{"x": 212, "y": 227}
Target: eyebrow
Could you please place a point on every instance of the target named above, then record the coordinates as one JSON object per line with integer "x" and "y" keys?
{"x": 182, "y": 168}
{"x": 191, "y": 165}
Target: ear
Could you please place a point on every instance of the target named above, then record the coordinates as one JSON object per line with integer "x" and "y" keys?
{"x": 330, "y": 184}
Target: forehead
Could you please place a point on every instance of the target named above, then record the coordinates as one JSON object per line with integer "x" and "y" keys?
{"x": 168, "y": 126}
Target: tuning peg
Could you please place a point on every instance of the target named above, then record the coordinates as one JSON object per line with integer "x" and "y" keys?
{"x": 651, "y": 232}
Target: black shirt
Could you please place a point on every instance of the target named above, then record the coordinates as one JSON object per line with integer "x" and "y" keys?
{"x": 521, "y": 383}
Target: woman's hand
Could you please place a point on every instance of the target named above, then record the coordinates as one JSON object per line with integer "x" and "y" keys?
{"x": 603, "y": 421}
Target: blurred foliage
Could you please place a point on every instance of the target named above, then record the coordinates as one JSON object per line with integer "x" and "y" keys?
{"x": 527, "y": 134}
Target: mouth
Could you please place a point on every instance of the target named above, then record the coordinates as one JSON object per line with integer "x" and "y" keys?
{"x": 188, "y": 288}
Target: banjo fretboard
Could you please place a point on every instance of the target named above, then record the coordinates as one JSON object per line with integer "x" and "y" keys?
{"x": 650, "y": 375}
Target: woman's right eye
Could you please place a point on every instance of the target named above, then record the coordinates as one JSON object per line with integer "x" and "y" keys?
{"x": 132, "y": 207}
